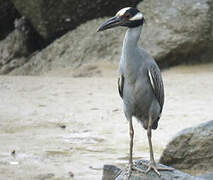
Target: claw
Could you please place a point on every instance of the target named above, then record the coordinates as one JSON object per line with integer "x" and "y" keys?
{"x": 152, "y": 166}
{"x": 132, "y": 167}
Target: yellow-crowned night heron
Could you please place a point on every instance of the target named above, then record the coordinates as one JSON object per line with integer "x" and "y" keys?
{"x": 140, "y": 83}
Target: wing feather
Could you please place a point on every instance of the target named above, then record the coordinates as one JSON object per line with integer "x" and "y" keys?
{"x": 121, "y": 85}
{"x": 157, "y": 84}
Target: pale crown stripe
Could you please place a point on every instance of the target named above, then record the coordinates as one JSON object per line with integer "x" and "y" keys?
{"x": 122, "y": 11}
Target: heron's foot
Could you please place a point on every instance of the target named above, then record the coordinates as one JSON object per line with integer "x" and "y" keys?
{"x": 152, "y": 166}
{"x": 132, "y": 167}
{"x": 129, "y": 170}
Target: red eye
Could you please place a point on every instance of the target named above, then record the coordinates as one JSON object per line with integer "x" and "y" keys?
{"x": 127, "y": 16}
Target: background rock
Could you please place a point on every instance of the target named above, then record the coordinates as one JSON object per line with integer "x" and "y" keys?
{"x": 165, "y": 175}
{"x": 8, "y": 14}
{"x": 15, "y": 49}
{"x": 53, "y": 18}
{"x": 175, "y": 32}
{"x": 191, "y": 149}
{"x": 80, "y": 46}
{"x": 178, "y": 31}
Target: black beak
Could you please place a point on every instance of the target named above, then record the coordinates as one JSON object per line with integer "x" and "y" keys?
{"x": 112, "y": 22}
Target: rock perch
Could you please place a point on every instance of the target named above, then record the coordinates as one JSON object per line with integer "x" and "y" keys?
{"x": 111, "y": 172}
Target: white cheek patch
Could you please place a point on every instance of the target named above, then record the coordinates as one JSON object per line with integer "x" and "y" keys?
{"x": 122, "y": 11}
{"x": 136, "y": 17}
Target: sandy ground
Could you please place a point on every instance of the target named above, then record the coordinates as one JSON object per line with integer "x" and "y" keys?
{"x": 53, "y": 127}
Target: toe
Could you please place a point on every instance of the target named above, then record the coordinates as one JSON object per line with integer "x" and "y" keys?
{"x": 138, "y": 169}
{"x": 156, "y": 171}
{"x": 132, "y": 167}
{"x": 153, "y": 167}
{"x": 129, "y": 170}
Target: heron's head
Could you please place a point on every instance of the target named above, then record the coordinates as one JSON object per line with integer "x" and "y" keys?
{"x": 129, "y": 17}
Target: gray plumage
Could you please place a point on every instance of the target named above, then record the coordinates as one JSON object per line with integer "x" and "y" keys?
{"x": 141, "y": 87}
{"x": 140, "y": 83}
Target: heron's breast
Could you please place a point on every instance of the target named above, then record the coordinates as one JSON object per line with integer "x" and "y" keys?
{"x": 137, "y": 94}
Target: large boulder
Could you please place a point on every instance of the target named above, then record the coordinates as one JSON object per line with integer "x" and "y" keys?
{"x": 111, "y": 172}
{"x": 8, "y": 14}
{"x": 208, "y": 176}
{"x": 80, "y": 46}
{"x": 17, "y": 46}
{"x": 53, "y": 18}
{"x": 191, "y": 149}
{"x": 178, "y": 31}
{"x": 174, "y": 32}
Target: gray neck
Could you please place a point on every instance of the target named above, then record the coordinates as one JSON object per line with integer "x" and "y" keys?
{"x": 130, "y": 53}
{"x": 131, "y": 38}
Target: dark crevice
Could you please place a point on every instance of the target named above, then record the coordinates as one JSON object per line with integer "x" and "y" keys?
{"x": 8, "y": 15}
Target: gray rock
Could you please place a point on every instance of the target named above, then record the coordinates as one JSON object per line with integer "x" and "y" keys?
{"x": 178, "y": 31}
{"x": 110, "y": 172}
{"x": 8, "y": 14}
{"x": 141, "y": 164}
{"x": 191, "y": 149}
{"x": 174, "y": 32}
{"x": 53, "y": 18}
{"x": 16, "y": 47}
{"x": 208, "y": 176}
{"x": 80, "y": 46}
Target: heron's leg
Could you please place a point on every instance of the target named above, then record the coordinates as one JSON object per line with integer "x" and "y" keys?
{"x": 152, "y": 164}
{"x": 131, "y": 165}
{"x": 131, "y": 134}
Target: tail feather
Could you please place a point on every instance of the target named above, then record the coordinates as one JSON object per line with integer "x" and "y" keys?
{"x": 155, "y": 123}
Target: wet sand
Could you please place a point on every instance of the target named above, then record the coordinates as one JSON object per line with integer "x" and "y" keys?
{"x": 35, "y": 110}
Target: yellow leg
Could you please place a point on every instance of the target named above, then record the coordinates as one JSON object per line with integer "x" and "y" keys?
{"x": 131, "y": 133}
{"x": 152, "y": 164}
